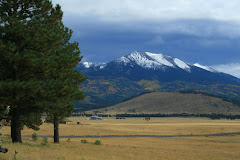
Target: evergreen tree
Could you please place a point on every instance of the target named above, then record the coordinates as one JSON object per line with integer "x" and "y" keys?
{"x": 29, "y": 30}
{"x": 62, "y": 82}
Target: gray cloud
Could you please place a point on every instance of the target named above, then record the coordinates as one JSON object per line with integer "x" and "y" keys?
{"x": 207, "y": 43}
{"x": 199, "y": 27}
{"x": 207, "y": 32}
{"x": 157, "y": 40}
{"x": 198, "y": 17}
{"x": 118, "y": 10}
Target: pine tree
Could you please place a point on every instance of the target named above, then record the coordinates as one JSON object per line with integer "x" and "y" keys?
{"x": 62, "y": 82}
{"x": 29, "y": 31}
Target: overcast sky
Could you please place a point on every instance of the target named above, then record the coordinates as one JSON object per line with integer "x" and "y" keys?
{"x": 195, "y": 31}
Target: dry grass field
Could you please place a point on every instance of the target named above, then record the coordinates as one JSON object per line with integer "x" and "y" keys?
{"x": 131, "y": 148}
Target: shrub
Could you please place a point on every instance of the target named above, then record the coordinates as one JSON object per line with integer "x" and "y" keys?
{"x": 97, "y": 142}
{"x": 34, "y": 137}
{"x": 84, "y": 141}
{"x": 44, "y": 142}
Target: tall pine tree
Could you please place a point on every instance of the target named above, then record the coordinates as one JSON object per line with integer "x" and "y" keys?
{"x": 29, "y": 32}
{"x": 62, "y": 82}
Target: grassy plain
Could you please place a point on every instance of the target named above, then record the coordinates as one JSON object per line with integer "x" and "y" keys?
{"x": 130, "y": 148}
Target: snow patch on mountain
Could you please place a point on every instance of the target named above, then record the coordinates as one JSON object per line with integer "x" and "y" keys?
{"x": 160, "y": 59}
{"x": 142, "y": 60}
{"x": 154, "y": 61}
{"x": 181, "y": 64}
{"x": 123, "y": 60}
{"x": 102, "y": 66}
{"x": 150, "y": 60}
{"x": 205, "y": 67}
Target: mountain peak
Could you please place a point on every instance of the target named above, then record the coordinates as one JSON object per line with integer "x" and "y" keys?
{"x": 150, "y": 61}
{"x": 142, "y": 59}
{"x": 154, "y": 61}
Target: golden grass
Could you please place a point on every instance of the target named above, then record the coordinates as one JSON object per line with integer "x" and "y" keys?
{"x": 188, "y": 148}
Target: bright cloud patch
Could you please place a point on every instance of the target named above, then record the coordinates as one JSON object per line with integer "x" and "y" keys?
{"x": 232, "y": 69}
{"x": 153, "y": 9}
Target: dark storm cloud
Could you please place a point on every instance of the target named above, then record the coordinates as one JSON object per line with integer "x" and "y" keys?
{"x": 202, "y": 41}
{"x": 199, "y": 31}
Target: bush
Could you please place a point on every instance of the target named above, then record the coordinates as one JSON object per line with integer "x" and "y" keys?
{"x": 44, "y": 142}
{"x": 34, "y": 137}
{"x": 84, "y": 141}
{"x": 97, "y": 142}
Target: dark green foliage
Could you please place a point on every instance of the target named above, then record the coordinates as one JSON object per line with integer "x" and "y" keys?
{"x": 62, "y": 82}
{"x": 44, "y": 142}
{"x": 185, "y": 115}
{"x": 84, "y": 141}
{"x": 29, "y": 29}
{"x": 34, "y": 137}
{"x": 33, "y": 48}
{"x": 97, "y": 142}
{"x": 237, "y": 102}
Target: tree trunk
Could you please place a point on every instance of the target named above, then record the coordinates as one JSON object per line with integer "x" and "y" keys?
{"x": 16, "y": 127}
{"x": 56, "y": 131}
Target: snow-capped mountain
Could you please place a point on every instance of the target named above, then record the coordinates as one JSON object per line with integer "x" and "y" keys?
{"x": 152, "y": 61}
{"x": 148, "y": 60}
{"x": 146, "y": 65}
{"x": 141, "y": 72}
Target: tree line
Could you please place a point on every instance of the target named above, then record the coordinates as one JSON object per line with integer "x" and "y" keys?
{"x": 226, "y": 99}
{"x": 183, "y": 115}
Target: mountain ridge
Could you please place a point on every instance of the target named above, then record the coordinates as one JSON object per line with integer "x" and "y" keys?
{"x": 149, "y": 60}
{"x": 138, "y": 72}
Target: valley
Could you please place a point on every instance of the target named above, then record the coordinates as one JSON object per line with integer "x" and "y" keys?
{"x": 122, "y": 148}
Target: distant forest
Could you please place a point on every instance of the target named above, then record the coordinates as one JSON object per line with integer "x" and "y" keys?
{"x": 236, "y": 102}
{"x": 182, "y": 115}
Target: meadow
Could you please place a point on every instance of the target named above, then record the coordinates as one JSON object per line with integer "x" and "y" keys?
{"x": 130, "y": 148}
